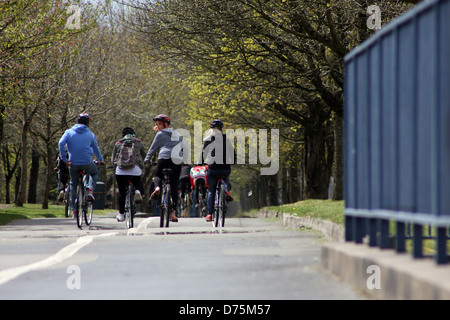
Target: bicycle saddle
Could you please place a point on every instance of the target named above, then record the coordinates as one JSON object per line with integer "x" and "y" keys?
{"x": 167, "y": 171}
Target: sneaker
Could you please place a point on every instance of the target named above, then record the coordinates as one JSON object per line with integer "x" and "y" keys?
{"x": 209, "y": 218}
{"x": 90, "y": 195}
{"x": 120, "y": 217}
{"x": 61, "y": 196}
{"x": 228, "y": 196}
{"x": 138, "y": 196}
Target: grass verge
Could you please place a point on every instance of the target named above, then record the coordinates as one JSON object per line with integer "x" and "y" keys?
{"x": 31, "y": 211}
{"x": 319, "y": 209}
{"x": 334, "y": 211}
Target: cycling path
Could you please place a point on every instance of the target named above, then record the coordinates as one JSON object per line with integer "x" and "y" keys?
{"x": 248, "y": 259}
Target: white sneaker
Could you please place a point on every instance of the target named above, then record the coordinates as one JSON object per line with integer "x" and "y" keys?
{"x": 120, "y": 217}
{"x": 138, "y": 196}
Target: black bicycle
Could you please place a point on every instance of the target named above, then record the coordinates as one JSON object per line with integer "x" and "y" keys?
{"x": 220, "y": 204}
{"x": 166, "y": 199}
{"x": 130, "y": 204}
{"x": 184, "y": 202}
{"x": 83, "y": 207}
{"x": 200, "y": 198}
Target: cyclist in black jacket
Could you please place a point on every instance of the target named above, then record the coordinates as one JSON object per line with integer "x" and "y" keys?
{"x": 218, "y": 153}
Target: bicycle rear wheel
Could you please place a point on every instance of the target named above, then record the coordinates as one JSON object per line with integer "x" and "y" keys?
{"x": 221, "y": 207}
{"x": 79, "y": 205}
{"x": 165, "y": 207}
{"x": 169, "y": 205}
{"x": 215, "y": 221}
{"x": 130, "y": 206}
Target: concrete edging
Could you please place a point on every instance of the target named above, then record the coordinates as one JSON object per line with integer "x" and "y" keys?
{"x": 331, "y": 231}
{"x": 400, "y": 276}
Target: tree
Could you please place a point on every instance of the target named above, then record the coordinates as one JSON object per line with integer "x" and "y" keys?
{"x": 287, "y": 52}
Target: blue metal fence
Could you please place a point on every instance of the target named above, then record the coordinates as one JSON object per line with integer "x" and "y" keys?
{"x": 397, "y": 133}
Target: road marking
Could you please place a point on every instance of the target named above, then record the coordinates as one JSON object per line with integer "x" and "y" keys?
{"x": 143, "y": 225}
{"x": 61, "y": 255}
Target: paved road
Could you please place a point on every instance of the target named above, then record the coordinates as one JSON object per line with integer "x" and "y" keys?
{"x": 249, "y": 259}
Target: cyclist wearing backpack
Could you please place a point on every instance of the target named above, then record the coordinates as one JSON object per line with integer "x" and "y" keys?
{"x": 165, "y": 141}
{"x": 127, "y": 158}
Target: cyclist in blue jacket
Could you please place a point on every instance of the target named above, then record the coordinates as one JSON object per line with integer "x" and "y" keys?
{"x": 81, "y": 145}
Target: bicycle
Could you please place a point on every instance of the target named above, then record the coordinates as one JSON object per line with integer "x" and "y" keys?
{"x": 220, "y": 204}
{"x": 199, "y": 177}
{"x": 201, "y": 199}
{"x": 183, "y": 204}
{"x": 83, "y": 207}
{"x": 130, "y": 204}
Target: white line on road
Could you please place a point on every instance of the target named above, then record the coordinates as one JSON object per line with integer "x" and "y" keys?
{"x": 143, "y": 225}
{"x": 61, "y": 255}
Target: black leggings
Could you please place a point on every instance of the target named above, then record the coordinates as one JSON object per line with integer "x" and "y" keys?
{"x": 167, "y": 163}
{"x": 122, "y": 182}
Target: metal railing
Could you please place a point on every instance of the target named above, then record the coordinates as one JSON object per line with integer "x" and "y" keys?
{"x": 397, "y": 133}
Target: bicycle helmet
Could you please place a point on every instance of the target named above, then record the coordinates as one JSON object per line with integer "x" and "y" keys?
{"x": 216, "y": 124}
{"x": 162, "y": 117}
{"x": 128, "y": 130}
{"x": 83, "y": 118}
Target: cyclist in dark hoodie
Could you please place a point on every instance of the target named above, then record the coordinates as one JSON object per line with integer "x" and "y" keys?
{"x": 81, "y": 144}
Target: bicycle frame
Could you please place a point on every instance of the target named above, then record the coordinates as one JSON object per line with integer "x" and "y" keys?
{"x": 130, "y": 205}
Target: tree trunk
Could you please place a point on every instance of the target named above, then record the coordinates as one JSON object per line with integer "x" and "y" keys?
{"x": 316, "y": 170}
{"x": 49, "y": 175}
{"x": 338, "y": 174}
{"x": 293, "y": 183}
{"x": 20, "y": 199}
{"x": 272, "y": 199}
{"x": 34, "y": 175}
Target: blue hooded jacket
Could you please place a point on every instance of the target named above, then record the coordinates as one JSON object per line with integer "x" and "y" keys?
{"x": 81, "y": 144}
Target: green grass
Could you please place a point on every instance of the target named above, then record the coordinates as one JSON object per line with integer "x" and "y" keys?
{"x": 319, "y": 209}
{"x": 30, "y": 211}
{"x": 334, "y": 211}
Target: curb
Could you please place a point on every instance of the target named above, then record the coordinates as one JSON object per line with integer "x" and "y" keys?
{"x": 380, "y": 273}
{"x": 331, "y": 231}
